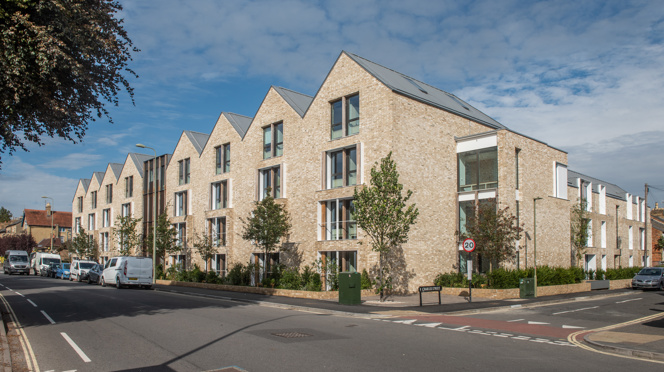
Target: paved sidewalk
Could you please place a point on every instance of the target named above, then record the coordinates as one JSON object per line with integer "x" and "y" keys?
{"x": 642, "y": 340}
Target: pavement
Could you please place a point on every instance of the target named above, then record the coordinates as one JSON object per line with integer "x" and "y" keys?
{"x": 642, "y": 338}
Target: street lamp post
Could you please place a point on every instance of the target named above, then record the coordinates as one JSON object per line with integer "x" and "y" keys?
{"x": 154, "y": 214}
{"x": 52, "y": 202}
{"x": 535, "y": 238}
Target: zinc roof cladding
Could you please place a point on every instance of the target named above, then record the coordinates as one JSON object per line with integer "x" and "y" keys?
{"x": 86, "y": 183}
{"x": 116, "y": 168}
{"x": 198, "y": 140}
{"x": 240, "y": 123}
{"x": 298, "y": 101}
{"x": 99, "y": 176}
{"x": 423, "y": 92}
{"x": 612, "y": 190}
{"x": 37, "y": 217}
{"x": 138, "y": 159}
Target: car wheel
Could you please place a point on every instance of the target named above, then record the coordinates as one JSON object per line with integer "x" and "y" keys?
{"x": 148, "y": 287}
{"x": 117, "y": 283}
{"x": 102, "y": 282}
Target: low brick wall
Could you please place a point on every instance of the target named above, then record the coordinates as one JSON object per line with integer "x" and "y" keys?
{"x": 620, "y": 283}
{"x": 323, "y": 295}
{"x": 551, "y": 290}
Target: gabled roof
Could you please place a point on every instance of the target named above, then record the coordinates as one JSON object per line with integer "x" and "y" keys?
{"x": 116, "y": 168}
{"x": 612, "y": 190}
{"x": 37, "y": 217}
{"x": 417, "y": 90}
{"x": 298, "y": 101}
{"x": 138, "y": 160}
{"x": 657, "y": 224}
{"x": 241, "y": 123}
{"x": 197, "y": 139}
{"x": 99, "y": 176}
{"x": 85, "y": 182}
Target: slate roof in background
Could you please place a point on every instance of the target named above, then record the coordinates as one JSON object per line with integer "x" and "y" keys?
{"x": 37, "y": 217}
{"x": 197, "y": 139}
{"x": 423, "y": 92}
{"x": 241, "y": 123}
{"x": 612, "y": 190}
{"x": 298, "y": 101}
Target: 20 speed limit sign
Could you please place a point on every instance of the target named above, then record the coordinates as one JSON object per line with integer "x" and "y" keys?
{"x": 469, "y": 245}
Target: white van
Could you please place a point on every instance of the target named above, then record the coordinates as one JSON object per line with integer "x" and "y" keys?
{"x": 16, "y": 262}
{"x": 79, "y": 270}
{"x": 40, "y": 261}
{"x": 126, "y": 271}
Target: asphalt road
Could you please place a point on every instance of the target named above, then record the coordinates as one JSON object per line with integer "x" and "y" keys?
{"x": 75, "y": 326}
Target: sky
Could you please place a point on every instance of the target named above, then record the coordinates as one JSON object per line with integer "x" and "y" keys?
{"x": 585, "y": 77}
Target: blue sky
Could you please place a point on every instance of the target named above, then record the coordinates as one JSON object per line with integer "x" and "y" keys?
{"x": 582, "y": 76}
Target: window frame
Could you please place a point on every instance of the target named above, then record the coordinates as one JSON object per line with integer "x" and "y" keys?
{"x": 346, "y": 172}
{"x": 181, "y": 203}
{"x": 478, "y": 184}
{"x": 106, "y": 217}
{"x": 217, "y": 226}
{"x": 126, "y": 210}
{"x": 184, "y": 171}
{"x": 336, "y": 220}
{"x": 275, "y": 147}
{"x": 219, "y": 198}
{"x": 129, "y": 186}
{"x": 80, "y": 204}
{"x": 181, "y": 235}
{"x": 343, "y": 126}
{"x": 93, "y": 200}
{"x": 276, "y": 179}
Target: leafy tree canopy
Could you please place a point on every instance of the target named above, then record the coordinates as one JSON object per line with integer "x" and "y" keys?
{"x": 61, "y": 61}
{"x": 5, "y": 215}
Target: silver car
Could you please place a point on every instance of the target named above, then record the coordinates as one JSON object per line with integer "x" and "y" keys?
{"x": 649, "y": 277}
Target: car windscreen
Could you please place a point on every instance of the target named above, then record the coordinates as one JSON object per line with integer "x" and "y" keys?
{"x": 86, "y": 265}
{"x": 650, "y": 271}
{"x": 65, "y": 266}
{"x": 48, "y": 261}
{"x": 18, "y": 258}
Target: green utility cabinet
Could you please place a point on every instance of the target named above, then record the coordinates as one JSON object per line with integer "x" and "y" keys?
{"x": 527, "y": 288}
{"x": 350, "y": 286}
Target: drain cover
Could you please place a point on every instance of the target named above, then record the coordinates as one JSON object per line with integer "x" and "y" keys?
{"x": 291, "y": 334}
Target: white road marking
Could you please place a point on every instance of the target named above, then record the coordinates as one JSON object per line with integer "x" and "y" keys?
{"x": 572, "y": 311}
{"x": 33, "y": 304}
{"x": 571, "y": 327}
{"x": 408, "y": 321}
{"x": 536, "y": 323}
{"x": 515, "y": 306}
{"x": 632, "y": 299}
{"x": 515, "y": 320}
{"x": 48, "y": 317}
{"x": 429, "y": 325}
{"x": 9, "y": 288}
{"x": 19, "y": 293}
{"x": 76, "y": 348}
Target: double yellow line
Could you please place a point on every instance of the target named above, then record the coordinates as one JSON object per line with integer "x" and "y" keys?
{"x": 572, "y": 337}
{"x": 30, "y": 358}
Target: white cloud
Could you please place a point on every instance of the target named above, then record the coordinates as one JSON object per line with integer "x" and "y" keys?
{"x": 72, "y": 161}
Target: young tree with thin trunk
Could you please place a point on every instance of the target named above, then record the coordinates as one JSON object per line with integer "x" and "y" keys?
{"x": 579, "y": 224}
{"x": 495, "y": 232}
{"x": 381, "y": 212}
{"x": 205, "y": 247}
{"x": 83, "y": 245}
{"x": 126, "y": 234}
{"x": 268, "y": 223}
{"x": 166, "y": 238}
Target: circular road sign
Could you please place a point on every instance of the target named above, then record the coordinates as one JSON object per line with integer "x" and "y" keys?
{"x": 469, "y": 245}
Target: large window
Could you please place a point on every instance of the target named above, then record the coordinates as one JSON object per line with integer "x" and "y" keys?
{"x": 273, "y": 140}
{"x": 77, "y": 225}
{"x": 219, "y": 264}
{"x": 227, "y": 158}
{"x": 181, "y": 203}
{"x": 91, "y": 221}
{"x": 341, "y": 167}
{"x": 80, "y": 204}
{"x": 345, "y": 261}
{"x": 106, "y": 218}
{"x": 560, "y": 185}
{"x": 219, "y": 193}
{"x": 181, "y": 235}
{"x": 270, "y": 179}
{"x": 338, "y": 220}
{"x": 129, "y": 186}
{"x": 478, "y": 169}
{"x": 93, "y": 200}
{"x": 217, "y": 229}
{"x": 184, "y": 171}
{"x": 345, "y": 117}
{"x": 109, "y": 193}
{"x": 103, "y": 238}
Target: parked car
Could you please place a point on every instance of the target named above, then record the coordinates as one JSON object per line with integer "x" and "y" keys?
{"x": 94, "y": 274}
{"x": 79, "y": 270}
{"x": 63, "y": 271}
{"x": 52, "y": 269}
{"x": 649, "y": 278}
{"x": 128, "y": 271}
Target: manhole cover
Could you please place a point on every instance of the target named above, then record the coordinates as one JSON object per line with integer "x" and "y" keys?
{"x": 291, "y": 334}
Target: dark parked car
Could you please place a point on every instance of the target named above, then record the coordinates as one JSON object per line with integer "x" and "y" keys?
{"x": 94, "y": 274}
{"x": 52, "y": 269}
{"x": 649, "y": 277}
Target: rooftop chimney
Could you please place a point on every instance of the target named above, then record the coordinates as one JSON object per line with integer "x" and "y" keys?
{"x": 48, "y": 209}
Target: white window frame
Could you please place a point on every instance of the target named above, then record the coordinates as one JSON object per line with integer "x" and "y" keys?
{"x": 181, "y": 203}
{"x": 630, "y": 237}
{"x": 559, "y": 180}
{"x": 603, "y": 235}
{"x": 602, "y": 199}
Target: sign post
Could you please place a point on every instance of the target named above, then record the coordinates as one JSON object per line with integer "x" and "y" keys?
{"x": 469, "y": 246}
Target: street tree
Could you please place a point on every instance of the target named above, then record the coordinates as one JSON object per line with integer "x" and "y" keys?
{"x": 126, "y": 234}
{"x": 20, "y": 242}
{"x": 83, "y": 245}
{"x": 166, "y": 238}
{"x": 579, "y": 224}
{"x": 205, "y": 247}
{"x": 495, "y": 232}
{"x": 61, "y": 62}
{"x": 267, "y": 224}
{"x": 5, "y": 215}
{"x": 381, "y": 212}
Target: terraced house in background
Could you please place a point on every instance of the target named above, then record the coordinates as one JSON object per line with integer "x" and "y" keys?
{"x": 311, "y": 152}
